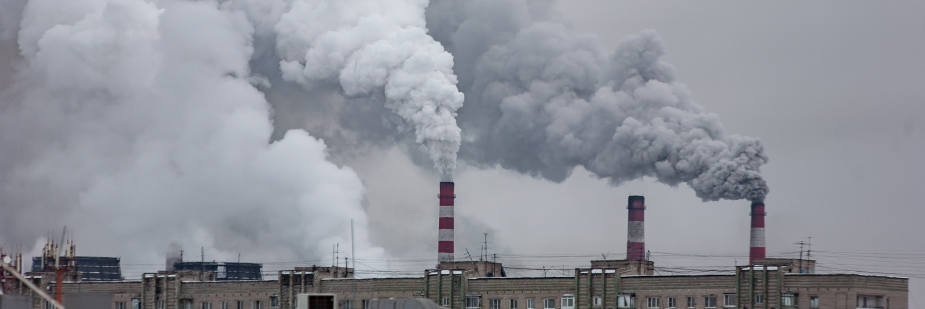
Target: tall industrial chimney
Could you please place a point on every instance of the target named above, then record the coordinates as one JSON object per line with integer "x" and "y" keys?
{"x": 445, "y": 238}
{"x": 757, "y": 238}
{"x": 636, "y": 232}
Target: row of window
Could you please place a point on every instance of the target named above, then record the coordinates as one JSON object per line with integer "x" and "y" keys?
{"x": 628, "y": 301}
{"x": 188, "y": 304}
{"x": 348, "y": 304}
{"x": 548, "y": 303}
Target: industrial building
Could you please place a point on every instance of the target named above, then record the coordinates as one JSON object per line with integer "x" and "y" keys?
{"x": 606, "y": 284}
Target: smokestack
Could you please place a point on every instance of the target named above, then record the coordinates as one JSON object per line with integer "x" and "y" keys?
{"x": 445, "y": 238}
{"x": 636, "y": 232}
{"x": 757, "y": 238}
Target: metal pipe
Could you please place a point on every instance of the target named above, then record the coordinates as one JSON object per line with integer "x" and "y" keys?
{"x": 32, "y": 286}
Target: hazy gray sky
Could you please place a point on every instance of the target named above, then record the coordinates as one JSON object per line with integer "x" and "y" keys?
{"x": 832, "y": 90}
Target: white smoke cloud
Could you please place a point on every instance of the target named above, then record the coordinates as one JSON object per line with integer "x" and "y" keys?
{"x": 142, "y": 119}
{"x": 370, "y": 47}
{"x": 134, "y": 121}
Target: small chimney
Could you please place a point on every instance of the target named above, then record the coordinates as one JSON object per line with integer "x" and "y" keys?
{"x": 636, "y": 232}
{"x": 757, "y": 238}
{"x": 445, "y": 237}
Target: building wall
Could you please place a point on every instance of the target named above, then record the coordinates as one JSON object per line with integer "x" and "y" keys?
{"x": 833, "y": 291}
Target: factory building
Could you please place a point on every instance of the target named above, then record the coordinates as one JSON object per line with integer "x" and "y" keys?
{"x": 90, "y": 268}
{"x": 606, "y": 284}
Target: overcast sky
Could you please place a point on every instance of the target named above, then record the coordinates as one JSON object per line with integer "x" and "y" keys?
{"x": 833, "y": 91}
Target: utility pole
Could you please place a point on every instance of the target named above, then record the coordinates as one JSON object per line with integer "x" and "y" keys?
{"x": 353, "y": 251}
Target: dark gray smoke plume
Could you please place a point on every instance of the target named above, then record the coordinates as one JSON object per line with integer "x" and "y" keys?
{"x": 542, "y": 99}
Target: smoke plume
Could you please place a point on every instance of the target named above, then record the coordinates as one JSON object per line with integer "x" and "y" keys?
{"x": 543, "y": 99}
{"x": 213, "y": 123}
{"x": 377, "y": 46}
{"x": 136, "y": 124}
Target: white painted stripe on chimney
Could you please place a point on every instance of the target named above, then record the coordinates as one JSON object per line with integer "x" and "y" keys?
{"x": 446, "y": 211}
{"x": 757, "y": 238}
{"x": 444, "y": 257}
{"x": 445, "y": 235}
{"x": 636, "y": 231}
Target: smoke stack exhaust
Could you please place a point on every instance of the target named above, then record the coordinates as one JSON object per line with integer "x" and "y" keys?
{"x": 636, "y": 232}
{"x": 757, "y": 238}
{"x": 445, "y": 238}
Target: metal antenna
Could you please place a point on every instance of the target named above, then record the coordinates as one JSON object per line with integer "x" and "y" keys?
{"x": 486, "y": 248}
{"x": 809, "y": 248}
{"x": 58, "y": 254}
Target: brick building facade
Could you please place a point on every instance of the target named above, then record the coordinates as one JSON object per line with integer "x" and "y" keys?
{"x": 611, "y": 284}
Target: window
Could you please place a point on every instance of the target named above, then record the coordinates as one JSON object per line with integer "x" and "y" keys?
{"x": 240, "y": 304}
{"x": 813, "y": 302}
{"x": 365, "y": 304}
{"x": 205, "y": 305}
{"x": 788, "y": 299}
{"x": 709, "y": 302}
{"x": 626, "y": 301}
{"x": 136, "y": 303}
{"x": 494, "y": 304}
{"x": 256, "y": 304}
{"x": 596, "y": 301}
{"x": 652, "y": 302}
{"x": 549, "y": 303}
{"x": 274, "y": 301}
{"x": 759, "y": 299}
{"x": 671, "y": 302}
{"x": 513, "y": 303}
{"x": 346, "y": 304}
{"x": 160, "y": 304}
{"x": 691, "y": 302}
{"x": 530, "y": 304}
{"x": 870, "y": 301}
{"x": 119, "y": 305}
{"x": 445, "y": 302}
{"x": 473, "y": 302}
{"x": 224, "y": 305}
{"x": 186, "y": 303}
{"x": 729, "y": 300}
{"x": 568, "y": 301}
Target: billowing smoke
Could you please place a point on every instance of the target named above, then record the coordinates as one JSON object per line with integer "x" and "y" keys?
{"x": 371, "y": 47}
{"x": 542, "y": 100}
{"x": 136, "y": 124}
{"x": 144, "y": 120}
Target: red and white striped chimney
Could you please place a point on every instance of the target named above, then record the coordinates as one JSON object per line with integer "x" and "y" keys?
{"x": 636, "y": 232}
{"x": 757, "y": 238}
{"x": 445, "y": 238}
